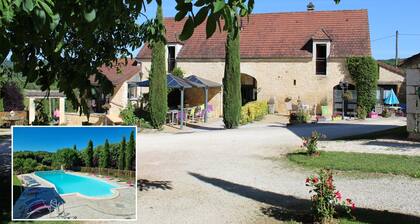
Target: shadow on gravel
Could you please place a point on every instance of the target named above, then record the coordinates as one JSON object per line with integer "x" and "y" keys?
{"x": 286, "y": 207}
{"x": 337, "y": 131}
{"x": 145, "y": 185}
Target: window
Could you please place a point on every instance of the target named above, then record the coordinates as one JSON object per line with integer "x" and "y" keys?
{"x": 171, "y": 58}
{"x": 132, "y": 92}
{"x": 321, "y": 59}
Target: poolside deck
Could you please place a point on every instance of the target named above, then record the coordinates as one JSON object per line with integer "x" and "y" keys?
{"x": 123, "y": 206}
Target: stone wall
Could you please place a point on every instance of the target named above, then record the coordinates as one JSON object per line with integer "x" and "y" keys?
{"x": 294, "y": 78}
{"x": 413, "y": 103}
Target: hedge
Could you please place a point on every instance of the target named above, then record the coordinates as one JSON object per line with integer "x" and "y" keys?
{"x": 364, "y": 72}
{"x": 253, "y": 111}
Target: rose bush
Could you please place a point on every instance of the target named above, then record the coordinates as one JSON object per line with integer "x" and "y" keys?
{"x": 325, "y": 198}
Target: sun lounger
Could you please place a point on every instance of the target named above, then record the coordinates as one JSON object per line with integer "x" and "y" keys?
{"x": 36, "y": 207}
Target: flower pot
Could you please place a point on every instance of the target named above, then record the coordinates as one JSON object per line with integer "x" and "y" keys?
{"x": 324, "y": 111}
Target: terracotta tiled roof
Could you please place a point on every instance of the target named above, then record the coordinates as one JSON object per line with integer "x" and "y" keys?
{"x": 280, "y": 35}
{"x": 120, "y": 72}
{"x": 391, "y": 68}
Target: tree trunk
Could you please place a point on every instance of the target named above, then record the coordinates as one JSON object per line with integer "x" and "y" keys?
{"x": 232, "y": 81}
{"x": 158, "y": 86}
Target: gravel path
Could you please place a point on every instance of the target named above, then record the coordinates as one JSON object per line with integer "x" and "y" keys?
{"x": 230, "y": 176}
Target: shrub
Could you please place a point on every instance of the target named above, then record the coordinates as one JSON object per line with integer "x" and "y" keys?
{"x": 178, "y": 72}
{"x": 128, "y": 116}
{"x": 311, "y": 143}
{"x": 253, "y": 111}
{"x": 12, "y": 97}
{"x": 364, "y": 72}
{"x": 361, "y": 113}
{"x": 299, "y": 117}
{"x": 325, "y": 198}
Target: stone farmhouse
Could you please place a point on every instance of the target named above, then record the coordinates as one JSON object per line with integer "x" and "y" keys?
{"x": 291, "y": 55}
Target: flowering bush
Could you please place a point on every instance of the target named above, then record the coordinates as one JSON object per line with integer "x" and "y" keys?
{"x": 325, "y": 197}
{"x": 311, "y": 143}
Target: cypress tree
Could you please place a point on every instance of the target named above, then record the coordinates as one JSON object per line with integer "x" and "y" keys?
{"x": 232, "y": 80}
{"x": 121, "y": 154}
{"x": 104, "y": 157}
{"x": 131, "y": 147}
{"x": 158, "y": 86}
{"x": 89, "y": 154}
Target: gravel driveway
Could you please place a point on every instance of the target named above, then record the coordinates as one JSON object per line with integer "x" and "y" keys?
{"x": 230, "y": 176}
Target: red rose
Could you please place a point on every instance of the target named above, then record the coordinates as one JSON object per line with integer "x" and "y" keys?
{"x": 353, "y": 206}
{"x": 307, "y": 180}
{"x": 315, "y": 180}
{"x": 348, "y": 200}
{"x": 338, "y": 195}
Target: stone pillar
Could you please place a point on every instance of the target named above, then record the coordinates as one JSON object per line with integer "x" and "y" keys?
{"x": 31, "y": 110}
{"x": 62, "y": 110}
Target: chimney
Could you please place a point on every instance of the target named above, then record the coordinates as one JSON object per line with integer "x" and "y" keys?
{"x": 310, "y": 7}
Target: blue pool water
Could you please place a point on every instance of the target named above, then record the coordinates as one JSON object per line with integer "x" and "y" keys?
{"x": 66, "y": 183}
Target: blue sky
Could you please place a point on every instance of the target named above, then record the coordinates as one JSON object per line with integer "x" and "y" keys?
{"x": 53, "y": 138}
{"x": 385, "y": 17}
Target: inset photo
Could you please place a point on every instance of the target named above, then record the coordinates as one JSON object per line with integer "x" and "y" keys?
{"x": 77, "y": 173}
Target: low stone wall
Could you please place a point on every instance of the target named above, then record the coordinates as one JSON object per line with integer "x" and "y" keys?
{"x": 76, "y": 119}
{"x": 21, "y": 114}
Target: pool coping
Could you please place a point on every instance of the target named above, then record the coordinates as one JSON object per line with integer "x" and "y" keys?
{"x": 114, "y": 191}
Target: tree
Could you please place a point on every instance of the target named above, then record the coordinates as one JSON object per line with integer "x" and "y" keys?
{"x": 48, "y": 42}
{"x": 18, "y": 165}
{"x": 232, "y": 99}
{"x": 121, "y": 154}
{"x": 158, "y": 86}
{"x": 29, "y": 165}
{"x": 129, "y": 156}
{"x": 89, "y": 154}
{"x": 104, "y": 157}
{"x": 69, "y": 158}
{"x": 12, "y": 97}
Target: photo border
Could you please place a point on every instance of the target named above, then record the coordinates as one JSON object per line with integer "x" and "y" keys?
{"x": 72, "y": 126}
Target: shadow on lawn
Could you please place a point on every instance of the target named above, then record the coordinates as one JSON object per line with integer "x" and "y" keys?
{"x": 285, "y": 207}
{"x": 145, "y": 185}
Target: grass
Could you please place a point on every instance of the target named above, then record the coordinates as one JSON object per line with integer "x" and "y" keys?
{"x": 17, "y": 188}
{"x": 393, "y": 133}
{"x": 362, "y": 162}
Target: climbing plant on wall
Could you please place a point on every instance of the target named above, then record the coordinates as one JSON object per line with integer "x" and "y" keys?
{"x": 364, "y": 72}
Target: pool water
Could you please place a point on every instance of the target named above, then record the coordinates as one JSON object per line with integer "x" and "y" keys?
{"x": 66, "y": 183}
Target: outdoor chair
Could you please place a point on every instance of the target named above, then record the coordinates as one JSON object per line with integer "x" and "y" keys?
{"x": 178, "y": 117}
{"x": 191, "y": 115}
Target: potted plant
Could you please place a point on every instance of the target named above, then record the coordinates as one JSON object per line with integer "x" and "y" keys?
{"x": 324, "y": 107}
{"x": 271, "y": 107}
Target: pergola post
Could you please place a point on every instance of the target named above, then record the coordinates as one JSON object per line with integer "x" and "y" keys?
{"x": 182, "y": 108}
{"x": 31, "y": 110}
{"x": 206, "y": 99}
{"x": 62, "y": 107}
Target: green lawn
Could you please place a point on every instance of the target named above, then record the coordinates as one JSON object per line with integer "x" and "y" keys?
{"x": 363, "y": 162}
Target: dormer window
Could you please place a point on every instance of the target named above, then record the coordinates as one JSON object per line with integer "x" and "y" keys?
{"x": 171, "y": 58}
{"x": 321, "y": 59}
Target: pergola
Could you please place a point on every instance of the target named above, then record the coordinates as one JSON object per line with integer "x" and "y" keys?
{"x": 192, "y": 81}
{"x": 53, "y": 94}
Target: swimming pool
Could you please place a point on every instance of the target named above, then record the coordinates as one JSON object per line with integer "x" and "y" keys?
{"x": 66, "y": 183}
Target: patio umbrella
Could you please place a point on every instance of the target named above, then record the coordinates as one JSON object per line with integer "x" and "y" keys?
{"x": 391, "y": 99}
